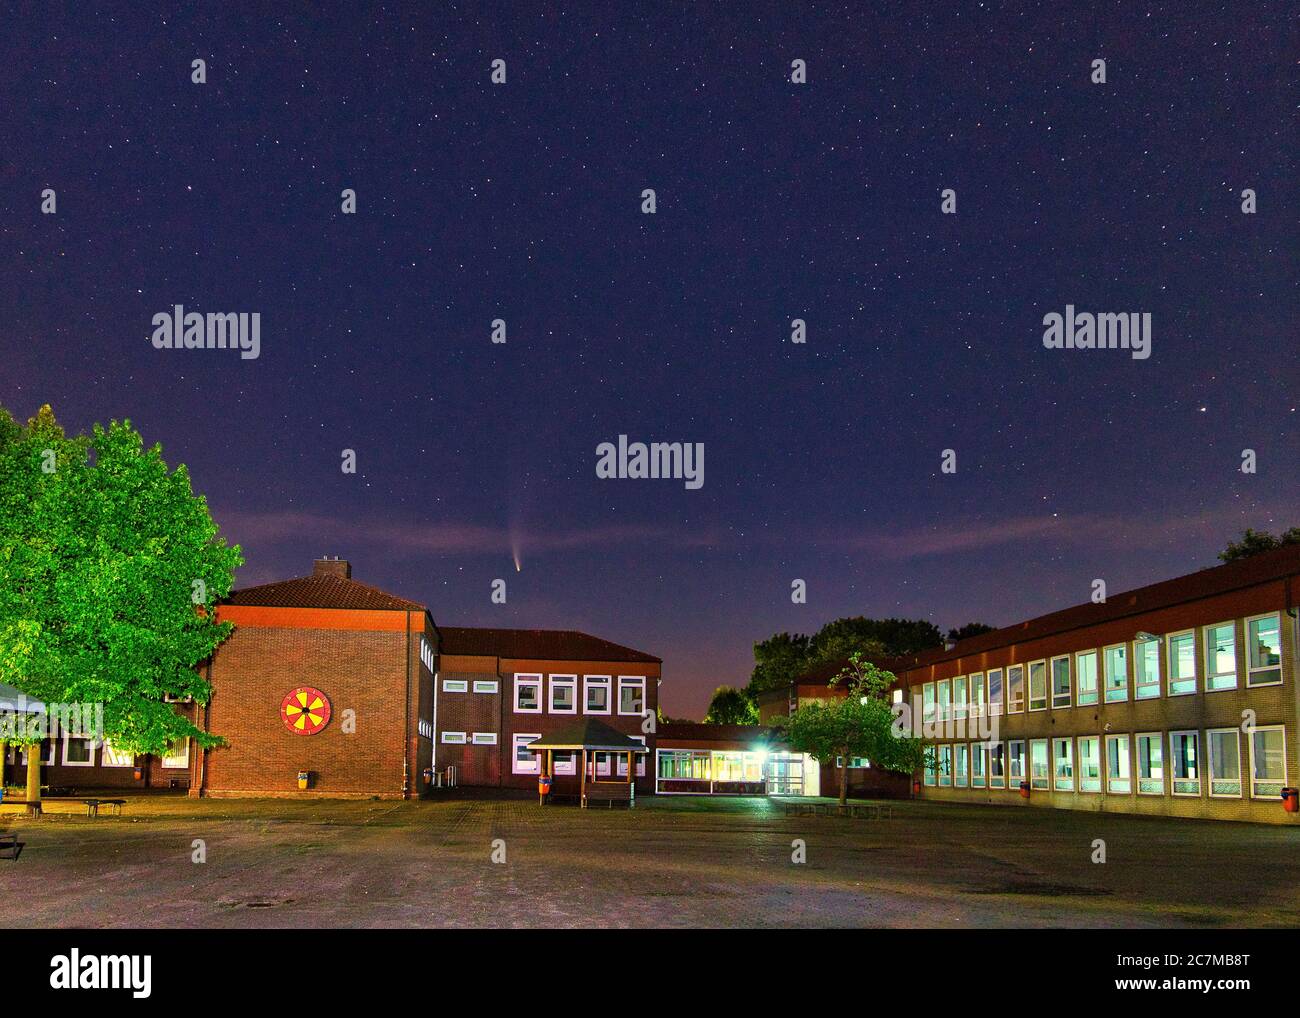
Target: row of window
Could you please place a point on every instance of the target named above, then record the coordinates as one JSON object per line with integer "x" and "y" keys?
{"x": 80, "y": 752}
{"x": 1111, "y": 674}
{"x": 525, "y": 761}
{"x": 472, "y": 739}
{"x": 563, "y": 690}
{"x": 1132, "y": 764}
{"x": 462, "y": 686}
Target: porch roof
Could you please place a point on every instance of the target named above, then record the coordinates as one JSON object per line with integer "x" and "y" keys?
{"x": 589, "y": 734}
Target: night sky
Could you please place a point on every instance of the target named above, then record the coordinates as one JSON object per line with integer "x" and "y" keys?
{"x": 775, "y": 201}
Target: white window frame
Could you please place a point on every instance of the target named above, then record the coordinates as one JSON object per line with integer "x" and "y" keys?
{"x": 1029, "y": 686}
{"x": 1068, "y": 743}
{"x": 455, "y": 685}
{"x": 995, "y": 706}
{"x": 1000, "y": 749}
{"x": 1018, "y": 706}
{"x": 1200, "y": 767}
{"x": 960, "y": 765}
{"x": 929, "y": 712}
{"x": 1159, "y": 684}
{"x": 1024, "y": 762}
{"x": 559, "y": 765}
{"x": 569, "y": 682}
{"x": 1105, "y": 674}
{"x": 453, "y": 738}
{"x": 944, "y": 754}
{"x": 483, "y": 739}
{"x": 600, "y": 682}
{"x": 523, "y": 679}
{"x": 1209, "y": 759}
{"x": 1052, "y": 694}
{"x": 1169, "y": 664}
{"x": 959, "y": 697}
{"x": 106, "y": 748}
{"x": 90, "y": 751}
{"x": 183, "y": 765}
{"x": 1128, "y": 759}
{"x": 621, "y": 763}
{"x": 978, "y": 754}
{"x": 47, "y": 760}
{"x": 1079, "y": 776}
{"x": 486, "y": 686}
{"x": 1252, "y": 669}
{"x": 1250, "y": 742}
{"x": 1029, "y": 759}
{"x": 525, "y": 737}
{"x": 1206, "y": 650}
{"x": 978, "y": 704}
{"x": 1159, "y": 739}
{"x": 632, "y": 682}
{"x": 943, "y": 700}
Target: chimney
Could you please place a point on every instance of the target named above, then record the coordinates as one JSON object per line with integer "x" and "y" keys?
{"x": 335, "y": 566}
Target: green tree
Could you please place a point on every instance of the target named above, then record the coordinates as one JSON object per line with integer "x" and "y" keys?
{"x": 888, "y": 637}
{"x": 1255, "y": 541}
{"x": 859, "y": 724}
{"x": 731, "y": 706}
{"x": 110, "y": 570}
{"x": 968, "y": 630}
{"x": 778, "y": 660}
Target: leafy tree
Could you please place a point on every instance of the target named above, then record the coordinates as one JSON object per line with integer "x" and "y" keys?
{"x": 860, "y": 724}
{"x": 890, "y": 637}
{"x": 968, "y": 630}
{"x": 1255, "y": 541}
{"x": 110, "y": 568}
{"x": 731, "y": 706}
{"x": 778, "y": 660}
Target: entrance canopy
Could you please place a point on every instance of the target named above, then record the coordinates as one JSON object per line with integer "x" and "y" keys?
{"x": 589, "y": 737}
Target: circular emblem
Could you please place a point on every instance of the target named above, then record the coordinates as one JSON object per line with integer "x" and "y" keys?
{"x": 305, "y": 711}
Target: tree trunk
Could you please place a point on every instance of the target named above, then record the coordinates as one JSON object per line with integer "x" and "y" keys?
{"x": 844, "y": 783}
{"x": 4, "y": 752}
{"x": 34, "y": 773}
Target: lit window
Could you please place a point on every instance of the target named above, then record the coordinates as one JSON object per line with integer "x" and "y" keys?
{"x": 178, "y": 756}
{"x": 997, "y": 765}
{"x": 1267, "y": 762}
{"x": 945, "y": 765}
{"x": 485, "y": 685}
{"x": 111, "y": 757}
{"x": 995, "y": 692}
{"x": 977, "y": 765}
{"x": 1061, "y": 682}
{"x": 1118, "y": 779}
{"x": 564, "y": 695}
{"x": 482, "y": 738}
{"x": 1089, "y": 764}
{"x": 1117, "y": 673}
{"x": 1182, "y": 664}
{"x": 1015, "y": 689}
{"x": 927, "y": 703}
{"x": 597, "y": 700}
{"x": 631, "y": 695}
{"x": 1224, "y": 746}
{"x": 1151, "y": 764}
{"x": 1015, "y": 762}
{"x": 1264, "y": 650}
{"x": 1184, "y": 761}
{"x": 1221, "y": 656}
{"x": 962, "y": 764}
{"x": 453, "y": 738}
{"x": 941, "y": 689}
{"x": 1063, "y": 765}
{"x": 1146, "y": 668}
{"x": 977, "y": 695}
{"x": 931, "y": 766}
{"x": 525, "y": 761}
{"x": 78, "y": 751}
{"x": 1085, "y": 666}
{"x": 454, "y": 685}
{"x": 640, "y": 760}
{"x": 1039, "y": 764}
{"x": 528, "y": 694}
{"x": 959, "y": 698}
{"x": 1038, "y": 685}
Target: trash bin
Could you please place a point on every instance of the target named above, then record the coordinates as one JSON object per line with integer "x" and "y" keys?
{"x": 1024, "y": 789}
{"x": 303, "y": 778}
{"x": 428, "y": 775}
{"x": 1290, "y": 799}
{"x": 544, "y": 786}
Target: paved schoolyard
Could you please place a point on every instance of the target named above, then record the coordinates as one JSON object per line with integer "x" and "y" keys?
{"x": 670, "y": 862}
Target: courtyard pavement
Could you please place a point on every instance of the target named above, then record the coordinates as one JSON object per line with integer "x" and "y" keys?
{"x": 671, "y": 862}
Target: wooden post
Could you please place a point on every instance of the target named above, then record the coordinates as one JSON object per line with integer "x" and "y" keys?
{"x": 582, "y": 784}
{"x": 4, "y": 752}
{"x": 34, "y": 777}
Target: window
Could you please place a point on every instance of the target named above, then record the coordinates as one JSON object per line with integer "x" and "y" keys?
{"x": 1267, "y": 762}
{"x": 640, "y": 760}
{"x": 1185, "y": 763}
{"x": 1085, "y": 668}
{"x": 1015, "y": 689}
{"x": 977, "y": 765}
{"x": 959, "y": 698}
{"x": 631, "y": 694}
{"x": 1221, "y": 656}
{"x": 47, "y": 753}
{"x": 453, "y": 738}
{"x": 1182, "y": 664}
{"x": 995, "y": 692}
{"x": 78, "y": 751}
{"x": 1039, "y": 766}
{"x": 1038, "y": 685}
{"x": 1063, "y": 764}
{"x": 1060, "y": 682}
{"x": 977, "y": 695}
{"x": 525, "y": 761}
{"x": 565, "y": 762}
{"x": 1015, "y": 762}
{"x": 597, "y": 701}
{"x": 1118, "y": 779}
{"x": 1117, "y": 673}
{"x": 927, "y": 703}
{"x": 1089, "y": 763}
{"x": 484, "y": 738}
{"x": 110, "y": 757}
{"x": 485, "y": 685}
{"x": 1151, "y": 764}
{"x": 178, "y": 756}
{"x": 1224, "y": 746}
{"x": 1146, "y": 669}
{"x": 896, "y": 696}
{"x": 931, "y": 766}
{"x": 997, "y": 765}
{"x": 941, "y": 691}
{"x": 962, "y": 764}
{"x": 1264, "y": 651}
{"x": 454, "y": 685}
{"x": 564, "y": 694}
{"x": 528, "y": 694}
{"x": 945, "y": 765}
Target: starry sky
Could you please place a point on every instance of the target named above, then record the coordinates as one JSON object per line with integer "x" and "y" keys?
{"x": 775, "y": 201}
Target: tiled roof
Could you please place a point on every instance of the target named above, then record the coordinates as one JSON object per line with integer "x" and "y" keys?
{"x": 543, "y": 644}
{"x": 321, "y": 592}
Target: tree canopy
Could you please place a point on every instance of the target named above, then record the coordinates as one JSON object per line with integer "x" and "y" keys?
{"x": 1253, "y": 542}
{"x": 110, "y": 570}
{"x": 731, "y": 706}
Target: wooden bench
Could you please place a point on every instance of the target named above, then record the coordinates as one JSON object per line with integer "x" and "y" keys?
{"x": 10, "y": 843}
{"x": 610, "y": 792}
{"x": 92, "y": 806}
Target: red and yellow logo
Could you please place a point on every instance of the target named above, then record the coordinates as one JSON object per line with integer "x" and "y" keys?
{"x": 305, "y": 711}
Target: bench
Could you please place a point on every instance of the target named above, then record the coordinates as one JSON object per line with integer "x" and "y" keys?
{"x": 610, "y": 792}
{"x": 92, "y": 806}
{"x": 10, "y": 843}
